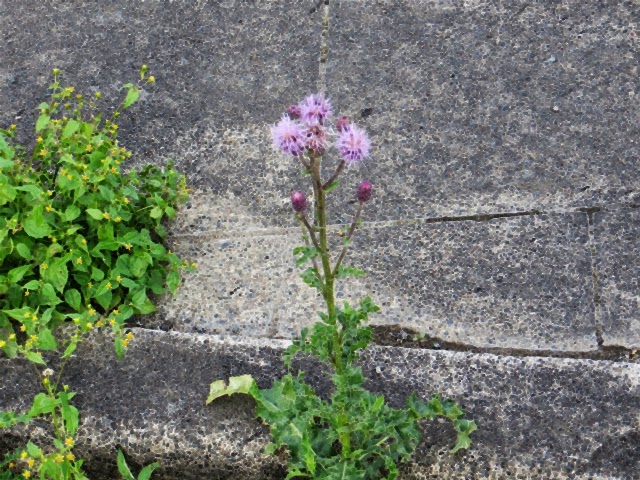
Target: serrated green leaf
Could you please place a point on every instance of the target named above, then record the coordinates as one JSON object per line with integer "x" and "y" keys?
{"x": 7, "y": 193}
{"x": 35, "y": 224}
{"x": 35, "y": 357}
{"x": 70, "y": 128}
{"x": 48, "y": 295}
{"x": 73, "y": 298}
{"x": 33, "y": 450}
{"x": 156, "y": 212}
{"x": 24, "y": 251}
{"x": 46, "y": 341}
{"x": 42, "y": 122}
{"x": 95, "y": 213}
{"x": 57, "y": 274}
{"x": 132, "y": 95}
{"x": 42, "y": 403}
{"x": 219, "y": 388}
{"x": 71, "y": 213}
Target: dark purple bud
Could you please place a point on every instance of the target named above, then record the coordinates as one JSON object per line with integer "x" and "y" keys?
{"x": 298, "y": 201}
{"x": 294, "y": 112}
{"x": 364, "y": 191}
{"x": 342, "y": 123}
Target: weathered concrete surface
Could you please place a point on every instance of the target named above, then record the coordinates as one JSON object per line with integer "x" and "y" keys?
{"x": 507, "y": 105}
{"x": 617, "y": 244}
{"x": 538, "y": 418}
{"x": 519, "y": 282}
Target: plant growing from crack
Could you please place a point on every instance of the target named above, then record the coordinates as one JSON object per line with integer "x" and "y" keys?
{"x": 80, "y": 251}
{"x": 354, "y": 434}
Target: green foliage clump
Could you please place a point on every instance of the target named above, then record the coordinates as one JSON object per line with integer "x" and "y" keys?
{"x": 81, "y": 244}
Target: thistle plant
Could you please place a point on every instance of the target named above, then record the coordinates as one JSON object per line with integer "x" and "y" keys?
{"x": 81, "y": 250}
{"x": 355, "y": 434}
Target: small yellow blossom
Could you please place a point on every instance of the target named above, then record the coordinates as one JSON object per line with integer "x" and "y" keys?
{"x": 79, "y": 260}
{"x": 46, "y": 382}
{"x": 109, "y": 285}
{"x": 12, "y": 127}
{"x": 69, "y": 441}
{"x": 114, "y": 170}
{"x": 118, "y": 219}
{"x": 123, "y": 150}
{"x": 117, "y": 162}
{"x": 126, "y": 200}
{"x": 26, "y": 293}
{"x": 49, "y": 208}
{"x": 12, "y": 336}
{"x": 26, "y": 474}
{"x": 97, "y": 95}
{"x": 70, "y": 177}
{"x": 84, "y": 166}
{"x": 127, "y": 246}
{"x": 193, "y": 265}
{"x": 23, "y": 328}
{"x": 63, "y": 171}
{"x": 85, "y": 177}
{"x": 24, "y": 454}
{"x": 114, "y": 126}
{"x": 31, "y": 462}
{"x": 43, "y": 152}
{"x": 53, "y": 240}
{"x": 125, "y": 343}
{"x": 56, "y": 71}
{"x": 11, "y": 464}
{"x": 71, "y": 457}
{"x": 112, "y": 322}
{"x": 3, "y": 344}
{"x": 129, "y": 336}
{"x": 49, "y": 193}
{"x": 106, "y": 215}
{"x": 89, "y": 326}
{"x": 92, "y": 311}
{"x": 70, "y": 89}
{"x": 151, "y": 79}
{"x": 34, "y": 338}
{"x": 90, "y": 285}
{"x": 39, "y": 139}
{"x": 99, "y": 323}
{"x": 116, "y": 312}
{"x": 27, "y": 315}
{"x": 44, "y": 266}
{"x": 89, "y": 148}
{"x": 59, "y": 459}
{"x": 118, "y": 278}
{"x": 84, "y": 241}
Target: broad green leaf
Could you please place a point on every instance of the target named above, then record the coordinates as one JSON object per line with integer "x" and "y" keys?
{"x": 35, "y": 224}
{"x": 70, "y": 414}
{"x": 70, "y": 128}
{"x": 7, "y": 193}
{"x": 57, "y": 274}
{"x": 73, "y": 298}
{"x": 132, "y": 96}
{"x": 145, "y": 473}
{"x": 156, "y": 212}
{"x": 123, "y": 468}
{"x": 42, "y": 403}
{"x": 46, "y": 341}
{"x": 48, "y": 295}
{"x": 42, "y": 122}
{"x": 33, "y": 450}
{"x": 95, "y": 213}
{"x": 35, "y": 357}
{"x": 69, "y": 350}
{"x": 24, "y": 251}
{"x": 71, "y": 213}
{"x": 241, "y": 384}
{"x": 16, "y": 274}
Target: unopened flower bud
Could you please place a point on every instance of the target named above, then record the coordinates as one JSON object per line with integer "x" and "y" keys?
{"x": 294, "y": 112}
{"x": 364, "y": 191}
{"x": 298, "y": 201}
{"x": 342, "y": 123}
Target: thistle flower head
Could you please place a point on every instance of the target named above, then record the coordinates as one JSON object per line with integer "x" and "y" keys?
{"x": 316, "y": 140}
{"x": 315, "y": 109}
{"x": 298, "y": 201}
{"x": 288, "y": 136}
{"x": 294, "y": 112}
{"x": 342, "y": 123}
{"x": 353, "y": 144}
{"x": 364, "y": 191}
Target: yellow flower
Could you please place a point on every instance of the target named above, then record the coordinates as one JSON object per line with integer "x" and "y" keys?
{"x": 26, "y": 293}
{"x": 128, "y": 246}
{"x": 90, "y": 285}
{"x": 39, "y": 139}
{"x": 108, "y": 285}
{"x": 70, "y": 89}
{"x": 63, "y": 171}
{"x": 92, "y": 311}
{"x": 118, "y": 219}
{"x": 97, "y": 95}
{"x": 23, "y": 454}
{"x": 27, "y": 315}
{"x": 106, "y": 215}
{"x": 70, "y": 177}
{"x": 117, "y": 162}
{"x": 34, "y": 338}
{"x": 56, "y": 71}
{"x": 11, "y": 464}
{"x": 49, "y": 193}
{"x": 13, "y": 127}
{"x": 118, "y": 278}
{"x": 44, "y": 266}
{"x": 53, "y": 240}
{"x": 112, "y": 322}
{"x": 84, "y": 166}
{"x": 129, "y": 336}
{"x": 123, "y": 150}
{"x": 49, "y": 208}
{"x": 99, "y": 323}
{"x": 114, "y": 170}
{"x": 3, "y": 344}
{"x": 43, "y": 152}
{"x": 126, "y": 200}
{"x": 125, "y": 343}
{"x": 89, "y": 326}
{"x": 85, "y": 177}
{"x": 151, "y": 79}
{"x": 23, "y": 328}
{"x": 193, "y": 265}
{"x": 89, "y": 148}
{"x": 71, "y": 457}
{"x": 69, "y": 442}
{"x": 79, "y": 260}
{"x": 12, "y": 336}
{"x": 116, "y": 312}
{"x": 114, "y": 126}
{"x": 26, "y": 474}
{"x": 46, "y": 382}
{"x": 84, "y": 241}
{"x": 31, "y": 462}
{"x": 59, "y": 459}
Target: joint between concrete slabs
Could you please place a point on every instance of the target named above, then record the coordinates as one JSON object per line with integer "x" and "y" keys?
{"x": 594, "y": 277}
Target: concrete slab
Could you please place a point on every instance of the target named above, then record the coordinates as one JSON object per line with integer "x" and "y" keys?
{"x": 520, "y": 282}
{"x": 539, "y": 418}
{"x": 478, "y": 107}
{"x": 617, "y": 244}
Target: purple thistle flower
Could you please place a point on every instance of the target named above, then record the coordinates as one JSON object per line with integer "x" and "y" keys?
{"x": 364, "y": 191}
{"x": 288, "y": 136}
{"x": 316, "y": 138}
{"x": 315, "y": 109}
{"x": 298, "y": 201}
{"x": 353, "y": 144}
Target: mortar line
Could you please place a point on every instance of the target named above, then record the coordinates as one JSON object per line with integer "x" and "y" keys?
{"x": 594, "y": 277}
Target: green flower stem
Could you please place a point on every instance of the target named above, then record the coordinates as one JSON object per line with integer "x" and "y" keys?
{"x": 349, "y": 236}
{"x": 304, "y": 223}
{"x": 335, "y": 175}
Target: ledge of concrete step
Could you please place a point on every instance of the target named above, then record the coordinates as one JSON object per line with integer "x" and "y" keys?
{"x": 537, "y": 417}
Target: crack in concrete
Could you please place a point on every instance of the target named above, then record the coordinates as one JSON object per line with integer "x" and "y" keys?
{"x": 594, "y": 276}
{"x": 399, "y": 336}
